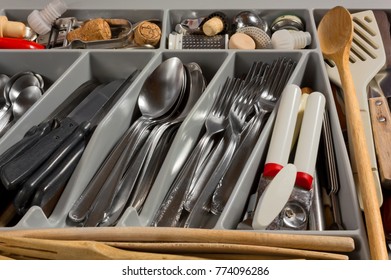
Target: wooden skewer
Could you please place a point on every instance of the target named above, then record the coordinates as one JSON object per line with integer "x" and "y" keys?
{"x": 165, "y": 234}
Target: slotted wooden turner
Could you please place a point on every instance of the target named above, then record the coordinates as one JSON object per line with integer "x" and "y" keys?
{"x": 367, "y": 57}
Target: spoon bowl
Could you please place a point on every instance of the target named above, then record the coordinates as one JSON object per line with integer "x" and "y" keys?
{"x": 336, "y": 33}
{"x": 27, "y": 97}
{"x": 162, "y": 88}
{"x": 3, "y": 81}
{"x": 21, "y": 83}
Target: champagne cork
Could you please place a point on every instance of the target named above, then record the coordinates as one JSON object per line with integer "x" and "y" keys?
{"x": 147, "y": 33}
{"x": 11, "y": 29}
{"x": 92, "y": 30}
{"x": 241, "y": 41}
{"x": 213, "y": 26}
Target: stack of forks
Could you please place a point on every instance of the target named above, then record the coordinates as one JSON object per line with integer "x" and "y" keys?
{"x": 199, "y": 193}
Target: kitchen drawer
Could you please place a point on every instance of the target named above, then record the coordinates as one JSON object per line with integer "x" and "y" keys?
{"x": 65, "y": 70}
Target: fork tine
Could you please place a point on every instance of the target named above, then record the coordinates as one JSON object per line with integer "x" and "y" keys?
{"x": 284, "y": 79}
{"x": 219, "y": 99}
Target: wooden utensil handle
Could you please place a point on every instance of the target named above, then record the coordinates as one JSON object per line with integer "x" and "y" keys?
{"x": 367, "y": 185}
{"x": 381, "y": 129}
{"x": 144, "y": 234}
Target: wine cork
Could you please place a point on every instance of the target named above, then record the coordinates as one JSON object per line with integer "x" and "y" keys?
{"x": 147, "y": 33}
{"x": 307, "y": 90}
{"x": 92, "y": 30}
{"x": 213, "y": 26}
{"x": 11, "y": 29}
{"x": 241, "y": 41}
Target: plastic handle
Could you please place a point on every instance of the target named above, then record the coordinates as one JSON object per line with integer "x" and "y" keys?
{"x": 31, "y": 137}
{"x": 19, "y": 169}
{"x": 274, "y": 198}
{"x": 308, "y": 143}
{"x": 57, "y": 158}
{"x": 52, "y": 187}
{"x": 284, "y": 126}
{"x": 14, "y": 43}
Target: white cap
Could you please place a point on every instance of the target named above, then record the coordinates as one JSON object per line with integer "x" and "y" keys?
{"x": 290, "y": 39}
{"x": 41, "y": 21}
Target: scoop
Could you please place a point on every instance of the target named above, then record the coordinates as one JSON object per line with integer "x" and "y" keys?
{"x": 162, "y": 88}
{"x": 335, "y": 32}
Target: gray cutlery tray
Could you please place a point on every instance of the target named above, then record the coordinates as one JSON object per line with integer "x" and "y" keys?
{"x": 65, "y": 70}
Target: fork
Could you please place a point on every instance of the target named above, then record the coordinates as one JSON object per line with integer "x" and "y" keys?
{"x": 236, "y": 118}
{"x": 215, "y": 123}
{"x": 270, "y": 91}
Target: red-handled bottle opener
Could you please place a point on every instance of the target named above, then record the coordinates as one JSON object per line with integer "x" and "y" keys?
{"x": 14, "y": 43}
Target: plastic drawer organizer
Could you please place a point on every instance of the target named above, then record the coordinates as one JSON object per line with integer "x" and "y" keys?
{"x": 65, "y": 70}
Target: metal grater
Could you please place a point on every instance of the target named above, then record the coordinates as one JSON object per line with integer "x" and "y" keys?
{"x": 183, "y": 41}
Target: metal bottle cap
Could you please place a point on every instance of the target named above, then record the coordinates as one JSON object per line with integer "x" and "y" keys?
{"x": 294, "y": 215}
{"x": 290, "y": 22}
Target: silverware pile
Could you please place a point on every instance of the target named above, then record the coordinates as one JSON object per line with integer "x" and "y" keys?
{"x": 202, "y": 188}
{"x": 127, "y": 174}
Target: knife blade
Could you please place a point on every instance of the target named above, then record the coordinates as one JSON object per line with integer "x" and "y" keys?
{"x": 72, "y": 126}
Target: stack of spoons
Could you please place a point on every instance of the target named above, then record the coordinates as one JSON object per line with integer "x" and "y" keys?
{"x": 20, "y": 92}
{"x": 127, "y": 174}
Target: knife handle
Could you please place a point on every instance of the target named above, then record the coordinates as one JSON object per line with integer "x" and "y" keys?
{"x": 20, "y": 168}
{"x": 58, "y": 157}
{"x": 29, "y": 139}
{"x": 381, "y": 129}
{"x": 52, "y": 187}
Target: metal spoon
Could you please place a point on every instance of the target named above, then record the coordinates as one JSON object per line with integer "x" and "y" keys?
{"x": 165, "y": 83}
{"x": 27, "y": 97}
{"x": 24, "y": 81}
{"x": 161, "y": 89}
{"x": 3, "y": 80}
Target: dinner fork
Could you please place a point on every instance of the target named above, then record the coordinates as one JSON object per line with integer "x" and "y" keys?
{"x": 237, "y": 116}
{"x": 270, "y": 91}
{"x": 215, "y": 123}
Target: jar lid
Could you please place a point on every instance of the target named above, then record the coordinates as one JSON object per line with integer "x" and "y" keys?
{"x": 290, "y": 22}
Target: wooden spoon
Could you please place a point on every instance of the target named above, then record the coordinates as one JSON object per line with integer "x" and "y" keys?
{"x": 335, "y": 33}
